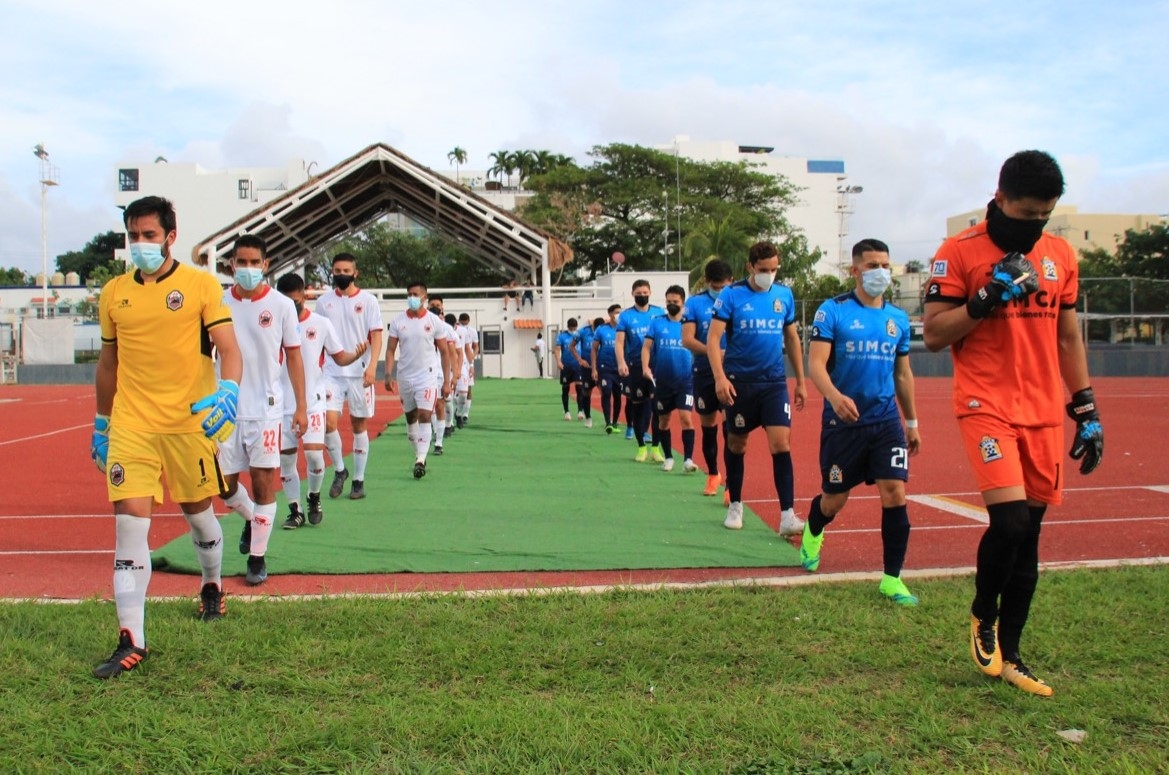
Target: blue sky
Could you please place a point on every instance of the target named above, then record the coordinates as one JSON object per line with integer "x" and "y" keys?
{"x": 921, "y": 100}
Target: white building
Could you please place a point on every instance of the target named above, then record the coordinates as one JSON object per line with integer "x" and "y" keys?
{"x": 824, "y": 199}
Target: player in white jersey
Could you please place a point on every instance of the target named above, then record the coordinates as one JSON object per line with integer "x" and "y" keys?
{"x": 356, "y": 317}
{"x": 410, "y": 343}
{"x": 265, "y": 326}
{"x": 317, "y": 338}
{"x": 448, "y": 339}
{"x": 470, "y": 343}
{"x": 458, "y": 362}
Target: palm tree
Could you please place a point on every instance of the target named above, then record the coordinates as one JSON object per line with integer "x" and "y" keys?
{"x": 457, "y": 156}
{"x": 715, "y": 237}
{"x": 500, "y": 161}
{"x": 522, "y": 162}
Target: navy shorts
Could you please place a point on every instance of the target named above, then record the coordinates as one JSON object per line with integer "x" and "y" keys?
{"x": 667, "y": 398}
{"x": 759, "y": 404}
{"x": 637, "y": 388}
{"x": 608, "y": 380}
{"x": 851, "y": 454}
{"x": 569, "y": 376}
{"x": 586, "y": 378}
{"x": 705, "y": 399}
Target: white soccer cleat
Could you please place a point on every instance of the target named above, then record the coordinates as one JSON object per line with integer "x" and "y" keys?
{"x": 689, "y": 466}
{"x": 668, "y": 466}
{"x": 567, "y": 417}
{"x": 790, "y": 524}
{"x": 588, "y": 422}
{"x": 580, "y": 415}
{"x": 734, "y": 520}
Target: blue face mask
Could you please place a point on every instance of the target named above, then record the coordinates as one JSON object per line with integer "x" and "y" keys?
{"x": 712, "y": 293}
{"x": 876, "y": 281}
{"x": 414, "y": 302}
{"x": 249, "y": 278}
{"x": 147, "y": 256}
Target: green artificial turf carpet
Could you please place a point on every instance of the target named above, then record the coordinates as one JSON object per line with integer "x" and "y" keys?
{"x": 519, "y": 489}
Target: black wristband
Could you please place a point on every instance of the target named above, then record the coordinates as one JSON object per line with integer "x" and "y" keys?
{"x": 981, "y": 304}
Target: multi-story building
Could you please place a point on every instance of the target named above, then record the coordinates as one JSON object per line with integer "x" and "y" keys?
{"x": 1086, "y": 231}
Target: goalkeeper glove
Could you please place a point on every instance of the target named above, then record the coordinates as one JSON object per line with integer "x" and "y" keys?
{"x": 1089, "y": 440}
{"x": 223, "y": 403}
{"x": 1013, "y": 277}
{"x": 99, "y": 447}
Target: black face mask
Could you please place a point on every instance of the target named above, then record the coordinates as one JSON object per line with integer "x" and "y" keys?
{"x": 435, "y": 311}
{"x": 1012, "y": 234}
{"x": 641, "y": 301}
{"x": 299, "y": 309}
{"x": 673, "y": 309}
{"x": 342, "y": 281}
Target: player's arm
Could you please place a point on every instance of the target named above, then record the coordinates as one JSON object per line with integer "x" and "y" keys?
{"x": 904, "y": 390}
{"x": 690, "y": 338}
{"x": 391, "y": 354}
{"x": 295, "y": 363}
{"x": 344, "y": 357}
{"x": 560, "y": 356}
{"x": 231, "y": 360}
{"x": 722, "y": 386}
{"x": 622, "y": 367}
{"x": 795, "y": 354}
{"x": 593, "y": 355}
{"x": 1088, "y": 441}
{"x": 106, "y": 383}
{"x": 444, "y": 359}
{"x": 375, "y": 347}
{"x": 819, "y": 352}
{"x": 647, "y": 349}
{"x": 947, "y": 321}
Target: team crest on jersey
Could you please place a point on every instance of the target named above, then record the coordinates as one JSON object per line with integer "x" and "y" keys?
{"x": 821, "y": 316}
{"x": 117, "y": 475}
{"x": 835, "y": 475}
{"x": 265, "y": 319}
{"x": 740, "y": 422}
{"x": 778, "y": 307}
{"x": 890, "y": 328}
{"x": 701, "y": 402}
{"x": 990, "y": 449}
{"x": 174, "y": 301}
{"x": 310, "y": 334}
{"x": 939, "y": 269}
{"x": 1049, "y": 272}
{"x": 357, "y": 308}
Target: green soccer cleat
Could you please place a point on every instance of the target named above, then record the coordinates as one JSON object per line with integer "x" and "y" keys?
{"x": 657, "y": 455}
{"x": 894, "y": 588}
{"x": 810, "y": 549}
{"x": 642, "y": 453}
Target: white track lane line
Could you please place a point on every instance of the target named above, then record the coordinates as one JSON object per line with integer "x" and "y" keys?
{"x": 44, "y": 435}
{"x": 951, "y": 506}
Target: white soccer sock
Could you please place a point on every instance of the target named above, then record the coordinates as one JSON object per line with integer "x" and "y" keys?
{"x": 132, "y": 574}
{"x": 450, "y": 412}
{"x": 333, "y": 445}
{"x": 467, "y": 408}
{"x": 290, "y": 478}
{"x": 241, "y": 502}
{"x": 412, "y": 434}
{"x": 315, "y": 461}
{"x": 207, "y": 536}
{"x": 436, "y": 426}
{"x": 460, "y": 404}
{"x": 262, "y": 528}
{"x": 422, "y": 445}
{"x": 360, "y": 454}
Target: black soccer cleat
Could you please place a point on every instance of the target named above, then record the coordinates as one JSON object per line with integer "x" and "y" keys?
{"x": 245, "y": 538}
{"x": 357, "y": 490}
{"x": 419, "y": 469}
{"x": 315, "y": 515}
{"x": 257, "y": 571}
{"x": 438, "y": 449}
{"x": 212, "y": 602}
{"x": 126, "y": 657}
{"x": 295, "y": 518}
{"x": 338, "y": 484}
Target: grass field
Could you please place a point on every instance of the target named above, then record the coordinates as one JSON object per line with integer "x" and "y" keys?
{"x": 818, "y": 679}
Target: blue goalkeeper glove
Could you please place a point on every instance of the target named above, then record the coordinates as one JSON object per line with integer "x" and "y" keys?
{"x": 99, "y": 447}
{"x": 1013, "y": 277}
{"x": 1089, "y": 441}
{"x": 223, "y": 403}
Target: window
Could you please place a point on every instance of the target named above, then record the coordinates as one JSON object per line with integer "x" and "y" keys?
{"x": 492, "y": 343}
{"x": 972, "y": 222}
{"x": 127, "y": 180}
{"x": 1087, "y": 235}
{"x": 245, "y": 188}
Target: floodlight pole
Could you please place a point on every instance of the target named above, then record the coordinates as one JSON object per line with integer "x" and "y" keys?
{"x": 48, "y": 178}
{"x": 665, "y": 230}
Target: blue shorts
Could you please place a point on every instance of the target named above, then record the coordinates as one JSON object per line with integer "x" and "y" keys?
{"x": 637, "y": 388}
{"x": 569, "y": 376}
{"x": 668, "y": 397}
{"x": 851, "y": 454}
{"x": 759, "y": 404}
{"x": 705, "y": 399}
{"x": 608, "y": 379}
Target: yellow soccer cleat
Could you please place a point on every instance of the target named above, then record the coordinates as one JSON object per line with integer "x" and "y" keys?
{"x": 984, "y": 647}
{"x": 1018, "y": 675}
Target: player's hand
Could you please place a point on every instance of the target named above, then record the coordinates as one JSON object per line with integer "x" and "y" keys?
{"x": 1089, "y": 441}
{"x": 446, "y": 388}
{"x": 913, "y": 440}
{"x": 99, "y": 447}
{"x": 725, "y": 390}
{"x": 1012, "y": 278}
{"x": 596, "y": 378}
{"x": 299, "y": 422}
{"x": 622, "y": 370}
{"x": 801, "y": 395}
{"x": 845, "y": 409}
{"x": 360, "y": 349}
{"x": 648, "y": 374}
{"x": 369, "y": 376}
{"x": 223, "y": 403}
{"x": 391, "y": 385}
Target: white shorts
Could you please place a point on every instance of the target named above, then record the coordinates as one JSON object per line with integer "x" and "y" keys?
{"x": 464, "y": 382}
{"x": 342, "y": 390}
{"x": 314, "y": 434}
{"x": 418, "y": 395}
{"x": 255, "y": 444}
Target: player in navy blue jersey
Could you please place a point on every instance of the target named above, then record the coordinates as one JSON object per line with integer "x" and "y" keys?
{"x": 859, "y": 361}
{"x": 568, "y": 362}
{"x": 759, "y": 319}
{"x": 631, "y": 327}
{"x": 696, "y": 317}
{"x": 604, "y": 365}
{"x": 584, "y": 391}
{"x": 667, "y": 363}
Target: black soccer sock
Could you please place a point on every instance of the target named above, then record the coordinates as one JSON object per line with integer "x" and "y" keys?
{"x": 641, "y": 418}
{"x": 607, "y": 406}
{"x": 894, "y": 537}
{"x": 586, "y": 403}
{"x": 1015, "y": 604}
{"x": 734, "y": 466}
{"x": 667, "y": 443}
{"x": 688, "y": 444}
{"x": 817, "y": 519}
{"x": 997, "y": 554}
{"x": 630, "y": 414}
{"x": 615, "y": 417}
{"x": 710, "y": 449}
{"x": 785, "y": 479}
{"x": 564, "y": 397}
{"x": 655, "y": 433}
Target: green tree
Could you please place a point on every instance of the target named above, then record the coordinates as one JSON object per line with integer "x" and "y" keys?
{"x": 97, "y": 253}
{"x": 13, "y": 276}
{"x": 524, "y": 164}
{"x": 1139, "y": 272}
{"x": 501, "y": 165}
{"x": 913, "y": 266}
{"x": 457, "y": 157}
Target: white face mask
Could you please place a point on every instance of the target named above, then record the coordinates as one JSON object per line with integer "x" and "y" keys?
{"x": 763, "y": 280}
{"x": 876, "y": 281}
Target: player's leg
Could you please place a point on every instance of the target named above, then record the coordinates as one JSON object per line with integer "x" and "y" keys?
{"x": 192, "y": 473}
{"x": 336, "y": 396}
{"x": 263, "y": 458}
{"x": 665, "y": 416}
{"x": 289, "y": 474}
{"x": 233, "y": 461}
{"x": 776, "y": 419}
{"x": 566, "y": 382}
{"x": 686, "y": 423}
{"x": 887, "y": 464}
{"x": 742, "y": 418}
{"x": 361, "y": 408}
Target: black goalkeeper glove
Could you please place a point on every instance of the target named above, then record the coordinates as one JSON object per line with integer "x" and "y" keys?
{"x": 1013, "y": 277}
{"x": 1089, "y": 441}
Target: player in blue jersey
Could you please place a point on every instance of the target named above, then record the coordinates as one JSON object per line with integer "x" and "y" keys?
{"x": 759, "y": 319}
{"x": 859, "y": 361}
{"x": 604, "y": 363}
{"x": 667, "y": 363}
{"x": 568, "y": 362}
{"x": 584, "y": 392}
{"x": 631, "y": 327}
{"x": 696, "y": 317}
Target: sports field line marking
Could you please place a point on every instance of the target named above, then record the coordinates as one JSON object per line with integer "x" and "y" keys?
{"x": 106, "y": 515}
{"x": 1159, "y": 488}
{"x": 951, "y": 506}
{"x": 38, "y": 552}
{"x": 43, "y": 435}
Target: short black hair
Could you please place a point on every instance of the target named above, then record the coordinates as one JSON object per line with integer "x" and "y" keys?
{"x": 717, "y": 270}
{"x": 290, "y": 283}
{"x": 345, "y": 257}
{"x": 761, "y": 251}
{"x": 640, "y": 284}
{"x": 598, "y": 322}
{"x": 464, "y": 318}
{"x": 450, "y": 319}
{"x": 572, "y": 322}
{"x": 435, "y": 297}
{"x": 152, "y": 205}
{"x": 613, "y": 307}
{"x": 868, "y": 245}
{"x": 678, "y": 289}
{"x": 1033, "y": 174}
{"x": 416, "y": 284}
{"x": 251, "y": 241}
